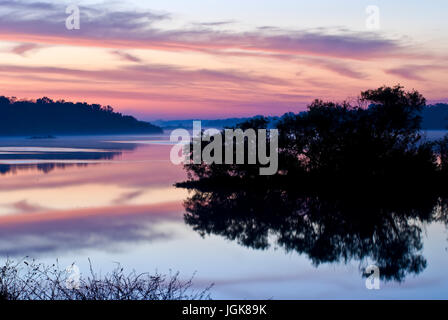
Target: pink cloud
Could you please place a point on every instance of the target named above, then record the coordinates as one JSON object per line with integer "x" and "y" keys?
{"x": 414, "y": 72}
{"x": 24, "y": 48}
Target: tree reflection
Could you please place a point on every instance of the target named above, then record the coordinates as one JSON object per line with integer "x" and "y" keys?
{"x": 328, "y": 228}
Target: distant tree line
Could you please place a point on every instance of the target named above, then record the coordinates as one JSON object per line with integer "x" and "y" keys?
{"x": 47, "y": 117}
{"x": 435, "y": 117}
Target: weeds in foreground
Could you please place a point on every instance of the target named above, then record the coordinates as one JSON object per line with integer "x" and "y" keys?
{"x": 31, "y": 280}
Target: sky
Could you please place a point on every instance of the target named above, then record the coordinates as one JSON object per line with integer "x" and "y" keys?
{"x": 177, "y": 59}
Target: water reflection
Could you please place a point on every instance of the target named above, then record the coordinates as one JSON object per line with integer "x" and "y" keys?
{"x": 48, "y": 155}
{"x": 127, "y": 210}
{"x": 126, "y": 201}
{"x": 108, "y": 229}
{"x": 369, "y": 227}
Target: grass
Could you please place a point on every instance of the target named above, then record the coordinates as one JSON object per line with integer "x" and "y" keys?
{"x": 31, "y": 280}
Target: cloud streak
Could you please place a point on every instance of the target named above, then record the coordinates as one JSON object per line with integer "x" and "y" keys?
{"x": 23, "y": 48}
{"x": 126, "y": 56}
{"x": 154, "y": 74}
{"x": 415, "y": 72}
{"x": 102, "y": 27}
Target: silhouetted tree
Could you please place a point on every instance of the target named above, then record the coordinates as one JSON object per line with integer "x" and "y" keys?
{"x": 223, "y": 170}
{"x": 355, "y": 183}
{"x": 340, "y": 141}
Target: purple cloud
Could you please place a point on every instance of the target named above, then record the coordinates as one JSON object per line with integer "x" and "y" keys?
{"x": 24, "y": 48}
{"x": 101, "y": 26}
{"x": 414, "y": 72}
{"x": 126, "y": 56}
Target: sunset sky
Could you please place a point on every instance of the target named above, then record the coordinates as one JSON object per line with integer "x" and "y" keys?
{"x": 178, "y": 59}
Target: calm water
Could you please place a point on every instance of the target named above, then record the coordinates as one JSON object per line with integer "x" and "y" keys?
{"x": 111, "y": 199}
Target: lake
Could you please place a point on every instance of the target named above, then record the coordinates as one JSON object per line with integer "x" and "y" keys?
{"x": 111, "y": 199}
